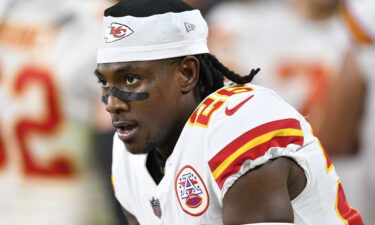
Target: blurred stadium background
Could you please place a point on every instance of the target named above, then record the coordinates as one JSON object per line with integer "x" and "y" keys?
{"x": 55, "y": 136}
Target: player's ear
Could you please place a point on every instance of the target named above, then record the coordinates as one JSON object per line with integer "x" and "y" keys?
{"x": 189, "y": 73}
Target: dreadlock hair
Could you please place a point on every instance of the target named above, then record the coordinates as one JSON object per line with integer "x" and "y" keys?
{"x": 212, "y": 73}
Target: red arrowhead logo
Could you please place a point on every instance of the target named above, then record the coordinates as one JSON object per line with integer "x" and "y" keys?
{"x": 117, "y": 31}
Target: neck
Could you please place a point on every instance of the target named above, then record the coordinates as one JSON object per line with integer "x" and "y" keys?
{"x": 186, "y": 110}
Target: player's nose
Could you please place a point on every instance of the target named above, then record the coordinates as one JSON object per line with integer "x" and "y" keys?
{"x": 116, "y": 105}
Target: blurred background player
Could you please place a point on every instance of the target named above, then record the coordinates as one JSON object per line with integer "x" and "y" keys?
{"x": 351, "y": 106}
{"x": 299, "y": 54}
{"x": 303, "y": 48}
{"x": 47, "y": 91}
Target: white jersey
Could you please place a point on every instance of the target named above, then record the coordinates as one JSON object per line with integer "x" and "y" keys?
{"x": 47, "y": 92}
{"x": 232, "y": 131}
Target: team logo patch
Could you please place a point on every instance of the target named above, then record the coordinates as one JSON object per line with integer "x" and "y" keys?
{"x": 191, "y": 191}
{"x": 116, "y": 32}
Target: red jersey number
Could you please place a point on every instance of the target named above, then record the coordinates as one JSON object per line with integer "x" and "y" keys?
{"x": 25, "y": 127}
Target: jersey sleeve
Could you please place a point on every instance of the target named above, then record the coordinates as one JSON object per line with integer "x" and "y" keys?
{"x": 250, "y": 129}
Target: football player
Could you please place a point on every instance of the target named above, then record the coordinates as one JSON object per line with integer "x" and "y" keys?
{"x": 188, "y": 150}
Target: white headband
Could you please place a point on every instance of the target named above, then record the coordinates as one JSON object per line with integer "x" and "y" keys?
{"x": 154, "y": 37}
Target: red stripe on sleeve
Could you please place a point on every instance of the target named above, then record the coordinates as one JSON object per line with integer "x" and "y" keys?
{"x": 255, "y": 153}
{"x": 248, "y": 136}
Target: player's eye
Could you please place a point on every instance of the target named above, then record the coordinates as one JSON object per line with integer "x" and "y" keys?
{"x": 103, "y": 83}
{"x": 131, "y": 79}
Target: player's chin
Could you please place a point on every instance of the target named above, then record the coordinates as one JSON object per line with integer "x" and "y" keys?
{"x": 136, "y": 148}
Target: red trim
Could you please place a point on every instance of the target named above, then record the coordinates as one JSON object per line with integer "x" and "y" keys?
{"x": 204, "y": 185}
{"x": 248, "y": 136}
{"x": 255, "y": 153}
{"x": 349, "y": 214}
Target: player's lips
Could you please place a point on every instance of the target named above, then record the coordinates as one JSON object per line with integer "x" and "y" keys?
{"x": 126, "y": 130}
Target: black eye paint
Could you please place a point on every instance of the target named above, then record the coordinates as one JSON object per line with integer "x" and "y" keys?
{"x": 125, "y": 96}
